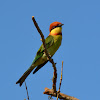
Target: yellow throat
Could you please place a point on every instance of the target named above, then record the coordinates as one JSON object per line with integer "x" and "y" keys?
{"x": 56, "y": 31}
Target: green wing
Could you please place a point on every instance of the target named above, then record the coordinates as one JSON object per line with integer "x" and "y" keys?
{"x": 49, "y": 42}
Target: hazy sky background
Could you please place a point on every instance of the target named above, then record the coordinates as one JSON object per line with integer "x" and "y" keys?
{"x": 80, "y": 49}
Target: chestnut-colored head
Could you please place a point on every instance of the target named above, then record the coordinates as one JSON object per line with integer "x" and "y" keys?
{"x": 55, "y": 28}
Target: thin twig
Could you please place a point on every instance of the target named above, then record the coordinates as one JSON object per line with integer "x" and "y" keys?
{"x": 46, "y": 52}
{"x": 60, "y": 81}
{"x": 26, "y": 91}
{"x": 61, "y": 77}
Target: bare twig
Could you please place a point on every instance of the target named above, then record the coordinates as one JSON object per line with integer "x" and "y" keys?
{"x": 61, "y": 77}
{"x": 48, "y": 56}
{"x": 60, "y": 81}
{"x": 26, "y": 91}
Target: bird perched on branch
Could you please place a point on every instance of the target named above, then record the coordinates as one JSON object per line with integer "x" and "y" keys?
{"x": 53, "y": 42}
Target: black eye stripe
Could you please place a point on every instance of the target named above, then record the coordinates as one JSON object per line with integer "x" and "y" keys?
{"x": 54, "y": 27}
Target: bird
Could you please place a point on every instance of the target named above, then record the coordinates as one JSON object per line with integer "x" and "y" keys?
{"x": 53, "y": 42}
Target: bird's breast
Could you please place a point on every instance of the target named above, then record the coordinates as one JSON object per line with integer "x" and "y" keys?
{"x": 56, "y": 44}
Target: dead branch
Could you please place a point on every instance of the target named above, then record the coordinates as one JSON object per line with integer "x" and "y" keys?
{"x": 48, "y": 56}
{"x": 60, "y": 96}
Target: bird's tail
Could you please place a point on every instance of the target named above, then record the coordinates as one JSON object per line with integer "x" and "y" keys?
{"x": 24, "y": 76}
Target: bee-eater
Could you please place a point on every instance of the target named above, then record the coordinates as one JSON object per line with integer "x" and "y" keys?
{"x": 53, "y": 42}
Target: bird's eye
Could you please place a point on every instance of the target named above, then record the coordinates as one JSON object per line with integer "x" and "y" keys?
{"x": 53, "y": 27}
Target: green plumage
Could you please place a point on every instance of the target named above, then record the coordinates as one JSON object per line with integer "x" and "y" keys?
{"x": 52, "y": 43}
{"x": 49, "y": 42}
